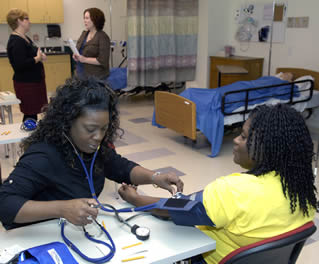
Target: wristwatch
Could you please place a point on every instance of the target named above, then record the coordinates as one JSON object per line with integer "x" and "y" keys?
{"x": 153, "y": 178}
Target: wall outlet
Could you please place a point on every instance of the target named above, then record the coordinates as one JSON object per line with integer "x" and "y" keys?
{"x": 237, "y": 15}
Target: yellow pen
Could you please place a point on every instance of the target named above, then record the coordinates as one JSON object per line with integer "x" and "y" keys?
{"x": 129, "y": 246}
{"x": 103, "y": 224}
{"x": 134, "y": 258}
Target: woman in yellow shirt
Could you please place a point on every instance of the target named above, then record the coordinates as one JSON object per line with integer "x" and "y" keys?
{"x": 275, "y": 195}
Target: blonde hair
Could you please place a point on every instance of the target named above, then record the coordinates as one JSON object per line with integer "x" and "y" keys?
{"x": 13, "y": 16}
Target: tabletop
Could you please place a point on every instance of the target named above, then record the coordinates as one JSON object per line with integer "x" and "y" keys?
{"x": 12, "y": 133}
{"x": 9, "y": 101}
{"x": 168, "y": 242}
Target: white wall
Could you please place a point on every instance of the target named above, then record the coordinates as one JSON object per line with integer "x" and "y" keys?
{"x": 202, "y": 47}
{"x": 217, "y": 20}
{"x": 300, "y": 46}
{"x": 212, "y": 36}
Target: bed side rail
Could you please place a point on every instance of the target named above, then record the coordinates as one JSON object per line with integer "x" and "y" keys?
{"x": 248, "y": 102}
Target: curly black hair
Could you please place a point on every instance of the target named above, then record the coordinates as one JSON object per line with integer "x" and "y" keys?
{"x": 279, "y": 141}
{"x": 97, "y": 17}
{"x": 72, "y": 99}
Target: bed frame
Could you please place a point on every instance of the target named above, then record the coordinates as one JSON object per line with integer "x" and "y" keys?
{"x": 179, "y": 114}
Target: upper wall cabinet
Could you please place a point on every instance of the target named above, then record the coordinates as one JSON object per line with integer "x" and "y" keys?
{"x": 46, "y": 11}
{"x": 6, "y": 5}
{"x": 40, "y": 11}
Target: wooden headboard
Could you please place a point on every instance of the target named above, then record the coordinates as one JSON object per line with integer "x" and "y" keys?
{"x": 297, "y": 72}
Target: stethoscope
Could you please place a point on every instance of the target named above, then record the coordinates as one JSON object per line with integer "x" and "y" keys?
{"x": 141, "y": 233}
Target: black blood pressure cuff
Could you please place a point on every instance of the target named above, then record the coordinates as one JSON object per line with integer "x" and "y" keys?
{"x": 186, "y": 210}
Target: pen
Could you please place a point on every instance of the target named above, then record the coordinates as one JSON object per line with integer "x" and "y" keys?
{"x": 129, "y": 246}
{"x": 134, "y": 258}
{"x": 138, "y": 252}
{"x": 103, "y": 224}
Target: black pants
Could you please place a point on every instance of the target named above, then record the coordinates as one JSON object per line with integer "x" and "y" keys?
{"x": 25, "y": 117}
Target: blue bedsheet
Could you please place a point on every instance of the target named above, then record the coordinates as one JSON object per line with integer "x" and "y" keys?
{"x": 209, "y": 117}
{"x": 118, "y": 78}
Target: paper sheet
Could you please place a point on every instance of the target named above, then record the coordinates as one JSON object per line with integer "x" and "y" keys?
{"x": 73, "y": 47}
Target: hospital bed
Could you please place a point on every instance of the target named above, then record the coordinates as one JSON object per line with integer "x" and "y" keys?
{"x": 179, "y": 113}
{"x": 118, "y": 82}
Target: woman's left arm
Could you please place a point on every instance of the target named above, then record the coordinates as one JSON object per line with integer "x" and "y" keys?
{"x": 120, "y": 169}
{"x": 87, "y": 60}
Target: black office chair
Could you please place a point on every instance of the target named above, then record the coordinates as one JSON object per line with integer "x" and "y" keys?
{"x": 281, "y": 249}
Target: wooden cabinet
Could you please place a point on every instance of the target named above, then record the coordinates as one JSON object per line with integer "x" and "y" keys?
{"x": 254, "y": 67}
{"x": 4, "y": 9}
{"x": 39, "y": 11}
{"x": 6, "y": 82}
{"x": 46, "y": 11}
{"x": 6, "y": 5}
{"x": 57, "y": 70}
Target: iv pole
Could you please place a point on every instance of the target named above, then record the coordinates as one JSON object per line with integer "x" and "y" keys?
{"x": 110, "y": 7}
{"x": 271, "y": 35}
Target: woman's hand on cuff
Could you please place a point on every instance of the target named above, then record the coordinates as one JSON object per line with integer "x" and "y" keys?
{"x": 167, "y": 180}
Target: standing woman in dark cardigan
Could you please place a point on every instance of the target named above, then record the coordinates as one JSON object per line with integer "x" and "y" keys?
{"x": 93, "y": 46}
{"x": 26, "y": 60}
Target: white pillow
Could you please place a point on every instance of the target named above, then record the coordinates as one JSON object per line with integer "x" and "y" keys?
{"x": 305, "y": 85}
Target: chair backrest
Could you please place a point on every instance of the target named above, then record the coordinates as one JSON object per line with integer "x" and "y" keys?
{"x": 281, "y": 249}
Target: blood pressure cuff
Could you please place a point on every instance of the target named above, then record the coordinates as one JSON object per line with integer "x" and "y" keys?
{"x": 186, "y": 210}
{"x": 52, "y": 253}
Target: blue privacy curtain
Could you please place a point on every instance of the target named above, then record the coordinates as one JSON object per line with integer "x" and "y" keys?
{"x": 162, "y": 41}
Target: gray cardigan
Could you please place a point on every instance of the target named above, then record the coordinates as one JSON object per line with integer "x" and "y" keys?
{"x": 98, "y": 47}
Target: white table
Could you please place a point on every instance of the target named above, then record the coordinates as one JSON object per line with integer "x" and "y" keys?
{"x": 15, "y": 135}
{"x": 167, "y": 243}
{"x": 6, "y": 106}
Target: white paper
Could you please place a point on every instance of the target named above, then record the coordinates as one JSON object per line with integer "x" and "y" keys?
{"x": 73, "y": 47}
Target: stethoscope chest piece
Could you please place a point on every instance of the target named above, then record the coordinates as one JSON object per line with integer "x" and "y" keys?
{"x": 141, "y": 233}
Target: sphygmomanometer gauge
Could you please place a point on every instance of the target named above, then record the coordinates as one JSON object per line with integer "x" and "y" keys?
{"x": 141, "y": 233}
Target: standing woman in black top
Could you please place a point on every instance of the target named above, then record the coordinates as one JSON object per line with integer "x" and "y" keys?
{"x": 26, "y": 61}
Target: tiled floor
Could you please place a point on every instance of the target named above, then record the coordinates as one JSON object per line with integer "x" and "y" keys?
{"x": 164, "y": 150}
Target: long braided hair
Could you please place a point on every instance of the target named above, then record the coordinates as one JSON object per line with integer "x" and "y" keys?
{"x": 279, "y": 141}
{"x": 72, "y": 99}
